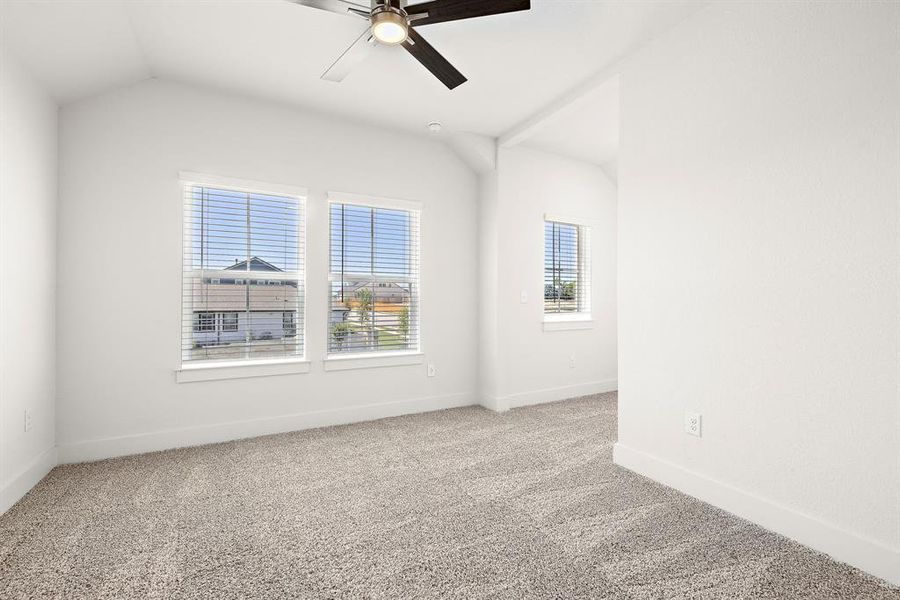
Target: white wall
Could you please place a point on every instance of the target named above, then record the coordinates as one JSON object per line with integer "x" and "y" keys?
{"x": 28, "y": 146}
{"x": 120, "y": 267}
{"x": 488, "y": 350}
{"x": 759, "y": 180}
{"x": 529, "y": 364}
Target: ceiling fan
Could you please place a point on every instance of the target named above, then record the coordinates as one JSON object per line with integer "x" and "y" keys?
{"x": 392, "y": 22}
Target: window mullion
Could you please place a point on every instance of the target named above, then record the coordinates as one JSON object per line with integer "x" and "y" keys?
{"x": 248, "y": 334}
{"x": 373, "y": 343}
{"x": 557, "y": 274}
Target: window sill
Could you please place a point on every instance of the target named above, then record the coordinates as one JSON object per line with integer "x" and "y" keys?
{"x": 357, "y": 361}
{"x": 214, "y": 371}
{"x": 568, "y": 322}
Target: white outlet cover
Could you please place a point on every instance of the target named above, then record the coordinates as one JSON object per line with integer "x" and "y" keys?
{"x": 431, "y": 371}
{"x": 523, "y": 297}
{"x": 693, "y": 424}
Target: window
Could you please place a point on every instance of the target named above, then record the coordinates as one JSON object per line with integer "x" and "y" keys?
{"x": 567, "y": 284}
{"x": 229, "y": 321}
{"x": 204, "y": 321}
{"x": 374, "y": 278}
{"x": 229, "y": 232}
{"x": 289, "y": 323}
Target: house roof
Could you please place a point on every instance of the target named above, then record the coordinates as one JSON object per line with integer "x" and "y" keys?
{"x": 256, "y": 264}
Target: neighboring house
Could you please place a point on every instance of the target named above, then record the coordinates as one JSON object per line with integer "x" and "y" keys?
{"x": 384, "y": 292}
{"x": 253, "y": 307}
{"x": 344, "y": 299}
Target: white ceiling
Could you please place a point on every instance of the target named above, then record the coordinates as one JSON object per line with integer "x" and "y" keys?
{"x": 516, "y": 63}
{"x": 586, "y": 129}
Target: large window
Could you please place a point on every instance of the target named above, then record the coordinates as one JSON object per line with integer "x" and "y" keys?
{"x": 242, "y": 293}
{"x": 566, "y": 269}
{"x": 374, "y": 279}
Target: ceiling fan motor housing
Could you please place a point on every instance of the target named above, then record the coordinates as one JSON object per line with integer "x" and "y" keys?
{"x": 389, "y": 24}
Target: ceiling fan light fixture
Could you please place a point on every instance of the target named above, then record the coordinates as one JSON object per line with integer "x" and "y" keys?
{"x": 389, "y": 26}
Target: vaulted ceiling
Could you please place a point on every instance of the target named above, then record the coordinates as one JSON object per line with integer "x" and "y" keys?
{"x": 516, "y": 63}
{"x": 586, "y": 128}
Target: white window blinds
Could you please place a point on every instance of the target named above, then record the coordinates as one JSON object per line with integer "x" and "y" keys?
{"x": 374, "y": 279}
{"x": 242, "y": 290}
{"x": 567, "y": 285}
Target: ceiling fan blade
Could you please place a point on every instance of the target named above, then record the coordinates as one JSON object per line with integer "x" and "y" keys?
{"x": 440, "y": 11}
{"x": 343, "y": 7}
{"x": 352, "y": 56}
{"x": 432, "y": 60}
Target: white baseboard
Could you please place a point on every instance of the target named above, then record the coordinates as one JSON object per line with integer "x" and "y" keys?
{"x": 502, "y": 403}
{"x": 223, "y": 432}
{"x": 495, "y": 403}
{"x": 19, "y": 485}
{"x": 865, "y": 554}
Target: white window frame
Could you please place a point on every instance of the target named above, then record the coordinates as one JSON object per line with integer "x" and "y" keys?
{"x": 189, "y": 372}
{"x": 582, "y": 318}
{"x": 384, "y": 358}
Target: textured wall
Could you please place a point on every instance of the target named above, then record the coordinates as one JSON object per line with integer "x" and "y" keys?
{"x": 121, "y": 211}
{"x": 28, "y": 146}
{"x": 528, "y": 363}
{"x": 759, "y": 183}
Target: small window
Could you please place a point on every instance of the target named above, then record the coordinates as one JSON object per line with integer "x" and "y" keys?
{"x": 566, "y": 269}
{"x": 204, "y": 321}
{"x": 289, "y": 323}
{"x": 229, "y": 321}
{"x": 215, "y": 281}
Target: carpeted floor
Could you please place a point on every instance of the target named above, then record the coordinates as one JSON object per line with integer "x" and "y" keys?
{"x": 461, "y": 503}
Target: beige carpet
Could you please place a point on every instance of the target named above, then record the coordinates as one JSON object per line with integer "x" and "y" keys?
{"x": 461, "y": 503}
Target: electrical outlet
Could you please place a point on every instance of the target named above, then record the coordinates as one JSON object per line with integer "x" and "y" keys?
{"x": 431, "y": 370}
{"x": 523, "y": 297}
{"x": 27, "y": 420}
{"x": 693, "y": 424}
{"x": 572, "y": 362}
